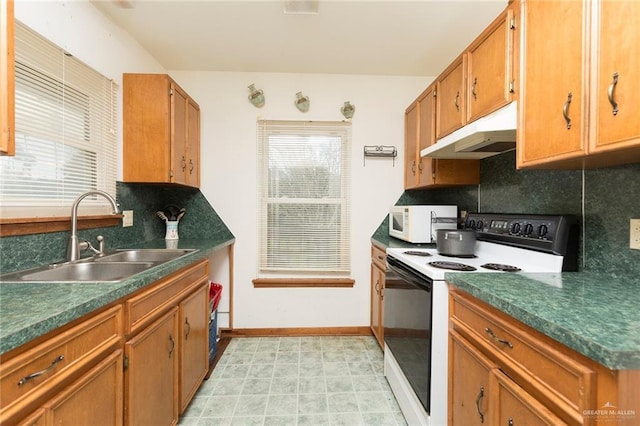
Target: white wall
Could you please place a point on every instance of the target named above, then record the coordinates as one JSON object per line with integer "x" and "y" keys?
{"x": 229, "y": 178}
{"x": 82, "y": 30}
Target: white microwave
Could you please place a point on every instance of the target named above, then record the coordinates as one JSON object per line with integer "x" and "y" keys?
{"x": 418, "y": 224}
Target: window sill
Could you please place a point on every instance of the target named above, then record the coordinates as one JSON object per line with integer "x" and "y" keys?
{"x": 302, "y": 282}
{"x": 11, "y": 227}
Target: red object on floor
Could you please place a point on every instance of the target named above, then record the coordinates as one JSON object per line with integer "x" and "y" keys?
{"x": 215, "y": 293}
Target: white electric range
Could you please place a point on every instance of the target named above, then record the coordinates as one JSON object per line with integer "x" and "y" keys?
{"x": 416, "y": 299}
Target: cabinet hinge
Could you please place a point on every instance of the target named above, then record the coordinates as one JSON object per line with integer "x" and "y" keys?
{"x": 125, "y": 363}
{"x": 512, "y": 86}
{"x": 435, "y": 93}
{"x": 512, "y": 24}
{"x": 170, "y": 92}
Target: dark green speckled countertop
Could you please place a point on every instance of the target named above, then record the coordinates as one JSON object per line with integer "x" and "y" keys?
{"x": 597, "y": 315}
{"x": 30, "y": 310}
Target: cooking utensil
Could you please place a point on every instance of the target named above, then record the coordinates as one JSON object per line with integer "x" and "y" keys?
{"x": 456, "y": 242}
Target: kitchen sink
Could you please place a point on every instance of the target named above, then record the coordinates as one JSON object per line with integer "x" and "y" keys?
{"x": 113, "y": 266}
{"x": 143, "y": 255}
{"x": 87, "y": 271}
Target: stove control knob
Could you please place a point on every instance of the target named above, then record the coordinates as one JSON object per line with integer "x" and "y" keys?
{"x": 542, "y": 230}
{"x": 480, "y": 225}
{"x": 528, "y": 229}
{"x": 471, "y": 224}
{"x": 515, "y": 228}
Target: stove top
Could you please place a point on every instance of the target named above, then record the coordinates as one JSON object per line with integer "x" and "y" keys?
{"x": 507, "y": 243}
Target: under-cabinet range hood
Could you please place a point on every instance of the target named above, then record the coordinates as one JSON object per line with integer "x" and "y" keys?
{"x": 487, "y": 136}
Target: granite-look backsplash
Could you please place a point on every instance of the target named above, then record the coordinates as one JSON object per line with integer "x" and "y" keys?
{"x": 200, "y": 221}
{"x": 611, "y": 198}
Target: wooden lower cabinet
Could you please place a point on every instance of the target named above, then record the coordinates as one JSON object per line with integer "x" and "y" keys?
{"x": 95, "y": 399}
{"x": 503, "y": 372}
{"x": 194, "y": 343}
{"x": 468, "y": 391}
{"x": 152, "y": 373}
{"x": 137, "y": 362}
{"x": 378, "y": 271}
{"x": 511, "y": 405}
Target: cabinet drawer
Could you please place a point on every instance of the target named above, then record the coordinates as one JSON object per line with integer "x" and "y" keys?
{"x": 537, "y": 363}
{"x": 379, "y": 257}
{"x": 140, "y": 310}
{"x": 35, "y": 372}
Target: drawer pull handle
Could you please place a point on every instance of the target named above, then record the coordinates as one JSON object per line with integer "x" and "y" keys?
{"x": 614, "y": 104}
{"x": 455, "y": 101}
{"x": 478, "y": 398}
{"x": 53, "y": 365}
{"x": 565, "y": 111}
{"x": 497, "y": 339}
{"x": 377, "y": 287}
{"x": 173, "y": 345}
{"x": 187, "y": 329}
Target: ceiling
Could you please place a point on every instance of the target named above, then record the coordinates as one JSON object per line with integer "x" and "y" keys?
{"x": 377, "y": 37}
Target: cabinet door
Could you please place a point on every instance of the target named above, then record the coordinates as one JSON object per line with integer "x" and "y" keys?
{"x": 193, "y": 143}
{"x": 489, "y": 63}
{"x": 469, "y": 383}
{"x": 411, "y": 145}
{"x": 511, "y": 405}
{"x": 7, "y": 82}
{"x": 551, "y": 116}
{"x": 95, "y": 399}
{"x": 427, "y": 135}
{"x": 179, "y": 160}
{"x": 617, "y": 57}
{"x": 194, "y": 343}
{"x": 451, "y": 99}
{"x": 377, "y": 297}
{"x": 151, "y": 378}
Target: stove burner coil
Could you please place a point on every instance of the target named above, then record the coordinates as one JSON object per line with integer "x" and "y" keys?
{"x": 417, "y": 253}
{"x": 500, "y": 267}
{"x": 454, "y": 266}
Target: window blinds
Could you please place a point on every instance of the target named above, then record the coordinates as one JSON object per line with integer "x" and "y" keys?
{"x": 304, "y": 180}
{"x": 65, "y": 132}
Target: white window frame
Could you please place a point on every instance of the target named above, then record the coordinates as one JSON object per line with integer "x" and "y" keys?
{"x": 65, "y": 133}
{"x": 334, "y": 262}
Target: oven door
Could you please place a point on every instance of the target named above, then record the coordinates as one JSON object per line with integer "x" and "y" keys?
{"x": 408, "y": 300}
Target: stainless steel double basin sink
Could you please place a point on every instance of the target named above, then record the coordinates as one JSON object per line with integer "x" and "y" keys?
{"x": 113, "y": 266}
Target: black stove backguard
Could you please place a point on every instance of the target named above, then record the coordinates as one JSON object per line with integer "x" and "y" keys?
{"x": 555, "y": 234}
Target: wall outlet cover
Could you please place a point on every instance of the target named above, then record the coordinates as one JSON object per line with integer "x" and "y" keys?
{"x": 127, "y": 220}
{"x": 634, "y": 234}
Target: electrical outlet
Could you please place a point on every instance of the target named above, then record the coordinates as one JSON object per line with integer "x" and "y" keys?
{"x": 634, "y": 234}
{"x": 127, "y": 220}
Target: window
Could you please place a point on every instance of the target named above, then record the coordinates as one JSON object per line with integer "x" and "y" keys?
{"x": 65, "y": 114}
{"x": 304, "y": 197}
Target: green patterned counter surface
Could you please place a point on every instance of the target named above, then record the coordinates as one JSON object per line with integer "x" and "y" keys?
{"x": 29, "y": 310}
{"x": 597, "y": 315}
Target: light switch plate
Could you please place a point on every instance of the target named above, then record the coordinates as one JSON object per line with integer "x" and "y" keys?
{"x": 127, "y": 220}
{"x": 634, "y": 234}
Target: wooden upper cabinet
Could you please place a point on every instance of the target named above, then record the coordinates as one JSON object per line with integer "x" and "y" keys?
{"x": 7, "y": 79}
{"x": 427, "y": 135}
{"x": 161, "y": 136}
{"x": 490, "y": 82}
{"x": 616, "y": 36}
{"x": 451, "y": 98}
{"x": 410, "y": 145}
{"x": 551, "y": 111}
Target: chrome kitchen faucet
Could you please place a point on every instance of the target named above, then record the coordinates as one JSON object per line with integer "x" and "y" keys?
{"x": 74, "y": 247}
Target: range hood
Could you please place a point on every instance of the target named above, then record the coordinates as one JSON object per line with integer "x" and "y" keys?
{"x": 487, "y": 136}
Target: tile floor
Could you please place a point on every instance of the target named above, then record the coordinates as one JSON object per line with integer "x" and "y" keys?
{"x": 328, "y": 380}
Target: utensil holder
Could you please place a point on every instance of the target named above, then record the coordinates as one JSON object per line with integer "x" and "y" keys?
{"x": 172, "y": 230}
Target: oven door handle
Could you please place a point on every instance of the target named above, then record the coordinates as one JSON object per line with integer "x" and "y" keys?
{"x": 410, "y": 278}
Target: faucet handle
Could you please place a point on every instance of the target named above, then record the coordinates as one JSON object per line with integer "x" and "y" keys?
{"x": 101, "y": 244}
